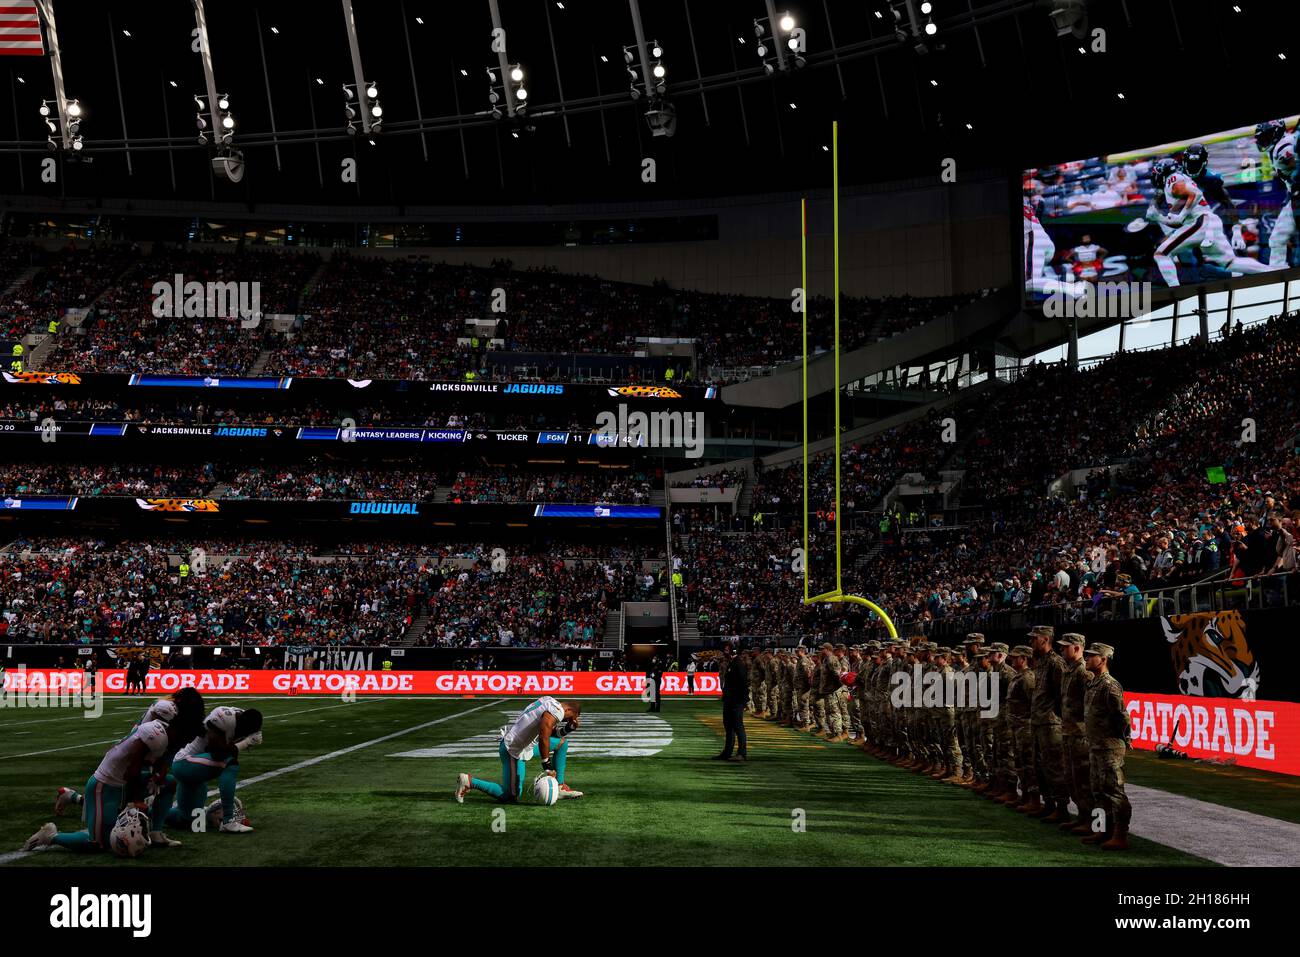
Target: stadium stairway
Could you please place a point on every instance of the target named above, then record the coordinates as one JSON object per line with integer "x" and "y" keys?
{"x": 21, "y": 278}
{"x": 260, "y": 362}
{"x": 313, "y": 280}
{"x": 613, "y": 637}
{"x": 415, "y": 632}
{"x": 745, "y": 501}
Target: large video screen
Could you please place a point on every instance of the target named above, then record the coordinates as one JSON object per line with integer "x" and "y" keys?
{"x": 1207, "y": 208}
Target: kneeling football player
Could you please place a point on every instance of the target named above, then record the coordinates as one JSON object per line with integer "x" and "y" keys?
{"x": 544, "y": 724}
{"x": 132, "y": 769}
{"x": 214, "y": 755}
{"x": 182, "y": 712}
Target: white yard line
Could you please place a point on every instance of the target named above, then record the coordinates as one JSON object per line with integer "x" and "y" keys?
{"x": 1225, "y": 835}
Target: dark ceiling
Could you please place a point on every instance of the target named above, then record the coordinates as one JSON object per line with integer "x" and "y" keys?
{"x": 1183, "y": 68}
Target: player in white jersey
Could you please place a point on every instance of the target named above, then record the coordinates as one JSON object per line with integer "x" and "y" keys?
{"x": 182, "y": 712}
{"x": 214, "y": 755}
{"x": 1039, "y": 251}
{"x": 1273, "y": 138}
{"x": 1191, "y": 224}
{"x": 130, "y": 770}
{"x": 544, "y": 724}
{"x": 1087, "y": 258}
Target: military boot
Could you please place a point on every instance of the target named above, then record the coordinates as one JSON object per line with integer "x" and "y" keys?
{"x": 1118, "y": 841}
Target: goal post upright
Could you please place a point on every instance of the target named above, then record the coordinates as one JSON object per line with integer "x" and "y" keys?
{"x": 836, "y": 594}
{"x": 803, "y": 310}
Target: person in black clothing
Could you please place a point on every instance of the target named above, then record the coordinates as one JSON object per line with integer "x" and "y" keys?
{"x": 735, "y": 694}
{"x": 653, "y": 675}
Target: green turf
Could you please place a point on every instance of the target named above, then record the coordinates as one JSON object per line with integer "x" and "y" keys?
{"x": 673, "y": 808}
{"x": 1261, "y": 792}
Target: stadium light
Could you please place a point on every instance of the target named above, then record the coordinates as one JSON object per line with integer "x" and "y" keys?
{"x": 782, "y": 27}
{"x": 930, "y": 28}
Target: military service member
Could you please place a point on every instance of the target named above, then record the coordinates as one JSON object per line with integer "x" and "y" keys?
{"x": 1106, "y": 723}
{"x": 1045, "y": 719}
{"x": 1019, "y": 698}
{"x": 1074, "y": 741}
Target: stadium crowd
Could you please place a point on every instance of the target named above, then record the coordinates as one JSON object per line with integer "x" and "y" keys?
{"x": 415, "y": 313}
{"x": 482, "y": 485}
{"x": 1154, "y": 520}
{"x": 284, "y": 593}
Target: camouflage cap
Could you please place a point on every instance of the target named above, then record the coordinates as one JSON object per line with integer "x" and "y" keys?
{"x": 974, "y": 638}
{"x": 982, "y": 653}
{"x": 999, "y": 646}
{"x": 1043, "y": 631}
{"x": 944, "y": 650}
{"x": 1097, "y": 648}
{"x": 1022, "y": 650}
{"x": 873, "y": 645}
{"x": 1072, "y": 638}
{"x": 827, "y": 646}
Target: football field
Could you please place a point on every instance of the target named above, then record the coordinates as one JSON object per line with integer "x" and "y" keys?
{"x": 370, "y": 783}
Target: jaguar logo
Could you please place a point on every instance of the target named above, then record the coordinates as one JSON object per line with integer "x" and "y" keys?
{"x": 1210, "y": 655}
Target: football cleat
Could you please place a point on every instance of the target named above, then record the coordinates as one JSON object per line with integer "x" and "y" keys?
{"x": 159, "y": 839}
{"x": 42, "y": 838}
{"x": 234, "y": 827}
{"x": 62, "y": 799}
{"x": 568, "y": 792}
{"x": 462, "y": 787}
{"x": 215, "y": 813}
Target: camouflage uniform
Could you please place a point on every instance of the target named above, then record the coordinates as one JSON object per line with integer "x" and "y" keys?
{"x": 1045, "y": 718}
{"x": 1019, "y": 695}
{"x": 830, "y": 692}
{"x": 844, "y": 701}
{"x": 764, "y": 684}
{"x": 804, "y": 676}
{"x": 870, "y": 714}
{"x": 945, "y": 724}
{"x": 786, "y": 704}
{"x": 999, "y": 734}
{"x": 755, "y": 680}
{"x": 1074, "y": 740}
{"x": 774, "y": 684}
{"x": 1106, "y": 722}
{"x": 915, "y": 716}
{"x": 973, "y": 744}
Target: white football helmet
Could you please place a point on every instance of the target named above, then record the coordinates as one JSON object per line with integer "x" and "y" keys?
{"x": 130, "y": 834}
{"x": 546, "y": 789}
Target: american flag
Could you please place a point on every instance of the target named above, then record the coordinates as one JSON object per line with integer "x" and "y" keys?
{"x": 20, "y": 29}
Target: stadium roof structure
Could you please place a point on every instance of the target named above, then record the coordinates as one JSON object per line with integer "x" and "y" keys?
{"x": 993, "y": 86}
